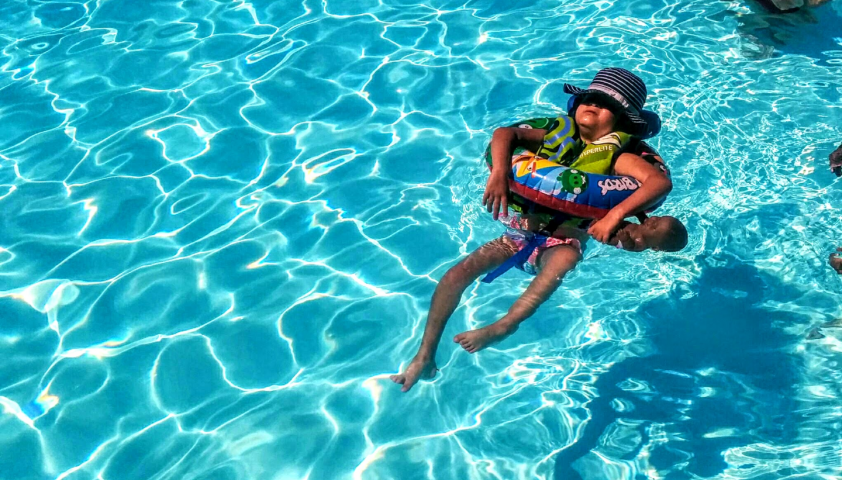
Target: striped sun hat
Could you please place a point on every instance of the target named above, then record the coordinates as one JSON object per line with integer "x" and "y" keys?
{"x": 621, "y": 85}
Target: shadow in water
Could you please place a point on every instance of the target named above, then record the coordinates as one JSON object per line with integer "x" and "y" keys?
{"x": 721, "y": 376}
{"x": 808, "y": 31}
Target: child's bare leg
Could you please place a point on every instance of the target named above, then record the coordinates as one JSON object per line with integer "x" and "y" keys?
{"x": 554, "y": 264}
{"x": 446, "y": 299}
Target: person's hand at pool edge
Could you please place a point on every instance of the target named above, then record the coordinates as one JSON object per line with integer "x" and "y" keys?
{"x": 836, "y": 161}
{"x": 836, "y": 261}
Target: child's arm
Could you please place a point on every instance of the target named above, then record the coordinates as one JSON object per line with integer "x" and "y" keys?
{"x": 654, "y": 185}
{"x": 503, "y": 143}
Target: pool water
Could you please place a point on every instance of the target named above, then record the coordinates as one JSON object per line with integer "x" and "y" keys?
{"x": 223, "y": 222}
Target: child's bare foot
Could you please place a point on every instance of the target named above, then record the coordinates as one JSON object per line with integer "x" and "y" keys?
{"x": 476, "y": 340}
{"x": 418, "y": 368}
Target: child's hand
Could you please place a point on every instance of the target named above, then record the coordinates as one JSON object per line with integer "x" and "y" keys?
{"x": 603, "y": 229}
{"x": 496, "y": 194}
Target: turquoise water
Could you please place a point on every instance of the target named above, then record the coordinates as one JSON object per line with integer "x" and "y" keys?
{"x": 223, "y": 221}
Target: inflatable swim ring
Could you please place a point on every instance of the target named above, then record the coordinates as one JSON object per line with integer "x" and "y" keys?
{"x": 567, "y": 190}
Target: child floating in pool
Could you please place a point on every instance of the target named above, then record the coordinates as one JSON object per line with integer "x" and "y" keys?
{"x": 613, "y": 102}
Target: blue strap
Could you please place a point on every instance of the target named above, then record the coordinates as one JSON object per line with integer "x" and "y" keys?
{"x": 523, "y": 254}
{"x": 517, "y": 259}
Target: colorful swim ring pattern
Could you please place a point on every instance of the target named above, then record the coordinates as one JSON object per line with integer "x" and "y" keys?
{"x": 567, "y": 190}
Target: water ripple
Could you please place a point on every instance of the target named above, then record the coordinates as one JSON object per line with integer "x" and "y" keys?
{"x": 226, "y": 221}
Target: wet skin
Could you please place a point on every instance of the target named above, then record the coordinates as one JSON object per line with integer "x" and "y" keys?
{"x": 639, "y": 237}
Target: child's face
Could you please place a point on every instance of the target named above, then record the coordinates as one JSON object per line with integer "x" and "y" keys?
{"x": 652, "y": 233}
{"x": 595, "y": 113}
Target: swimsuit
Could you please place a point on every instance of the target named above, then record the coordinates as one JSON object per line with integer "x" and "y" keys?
{"x": 521, "y": 238}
